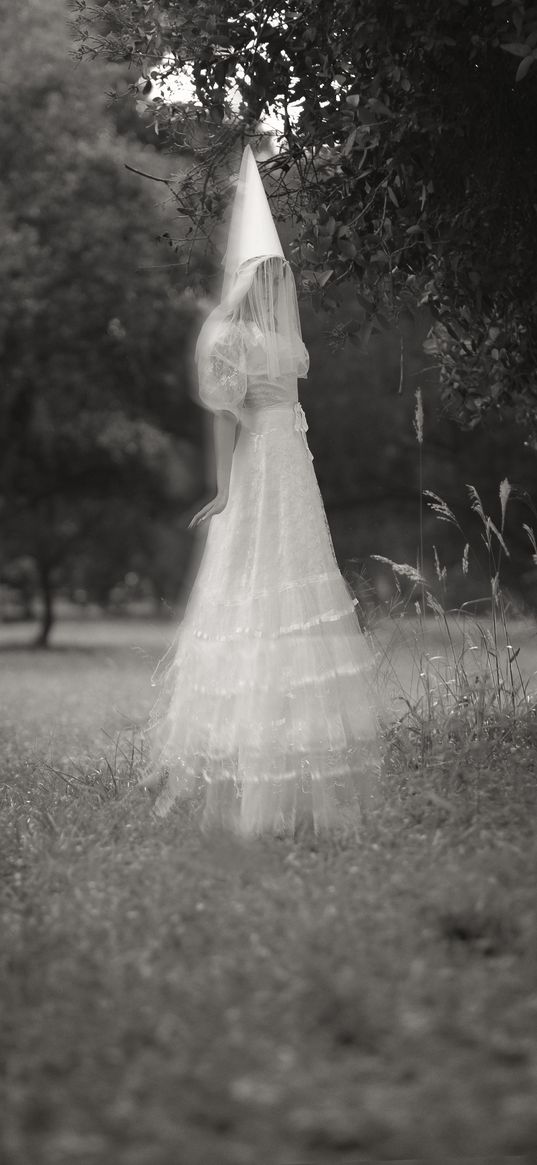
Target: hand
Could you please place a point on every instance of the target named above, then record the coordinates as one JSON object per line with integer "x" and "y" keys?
{"x": 218, "y": 504}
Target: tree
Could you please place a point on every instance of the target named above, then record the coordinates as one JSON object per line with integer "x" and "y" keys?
{"x": 405, "y": 161}
{"x": 94, "y": 407}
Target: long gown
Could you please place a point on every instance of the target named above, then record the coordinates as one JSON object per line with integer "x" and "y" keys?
{"x": 267, "y": 706}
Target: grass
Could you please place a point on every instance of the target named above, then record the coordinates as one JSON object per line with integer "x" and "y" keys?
{"x": 173, "y": 998}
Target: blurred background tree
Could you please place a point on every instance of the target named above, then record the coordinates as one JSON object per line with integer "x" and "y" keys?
{"x": 98, "y": 432}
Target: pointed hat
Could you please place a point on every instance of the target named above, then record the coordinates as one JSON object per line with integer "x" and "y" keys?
{"x": 252, "y": 233}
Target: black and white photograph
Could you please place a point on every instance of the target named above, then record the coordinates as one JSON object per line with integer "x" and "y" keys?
{"x": 268, "y": 582}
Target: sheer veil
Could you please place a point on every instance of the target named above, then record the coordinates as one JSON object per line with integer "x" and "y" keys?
{"x": 259, "y": 308}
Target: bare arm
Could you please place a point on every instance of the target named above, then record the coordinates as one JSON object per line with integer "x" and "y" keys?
{"x": 225, "y": 425}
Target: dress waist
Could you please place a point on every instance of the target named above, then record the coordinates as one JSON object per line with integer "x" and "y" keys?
{"x": 254, "y": 415}
{"x": 262, "y": 419}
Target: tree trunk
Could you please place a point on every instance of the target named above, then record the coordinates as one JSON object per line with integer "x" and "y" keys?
{"x": 47, "y": 595}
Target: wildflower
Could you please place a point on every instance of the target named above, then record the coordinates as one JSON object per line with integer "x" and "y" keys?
{"x": 441, "y": 572}
{"x": 401, "y": 568}
{"x": 418, "y": 417}
{"x": 505, "y": 490}
{"x": 440, "y": 508}
{"x": 476, "y": 502}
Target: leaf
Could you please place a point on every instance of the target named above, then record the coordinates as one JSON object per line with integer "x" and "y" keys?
{"x": 524, "y": 67}
{"x": 347, "y": 148}
{"x": 518, "y": 50}
{"x": 322, "y": 277}
{"x": 392, "y": 197}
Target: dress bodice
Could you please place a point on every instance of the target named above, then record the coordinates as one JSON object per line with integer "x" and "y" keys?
{"x": 237, "y": 368}
{"x": 263, "y": 393}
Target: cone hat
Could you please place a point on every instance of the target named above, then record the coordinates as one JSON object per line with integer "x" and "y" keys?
{"x": 252, "y": 232}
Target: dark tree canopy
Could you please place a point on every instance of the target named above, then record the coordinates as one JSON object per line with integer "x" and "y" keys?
{"x": 406, "y": 161}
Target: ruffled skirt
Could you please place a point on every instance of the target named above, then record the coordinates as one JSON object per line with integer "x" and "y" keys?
{"x": 265, "y": 715}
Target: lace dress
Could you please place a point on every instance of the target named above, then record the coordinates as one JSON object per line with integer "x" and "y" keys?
{"x": 266, "y": 709}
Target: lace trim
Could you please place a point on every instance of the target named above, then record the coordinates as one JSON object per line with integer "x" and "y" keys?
{"x": 330, "y": 617}
{"x": 293, "y": 775}
{"x": 316, "y": 774}
{"x": 268, "y": 591}
{"x": 316, "y": 678}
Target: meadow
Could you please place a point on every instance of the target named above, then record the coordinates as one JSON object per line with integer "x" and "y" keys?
{"x": 169, "y": 997}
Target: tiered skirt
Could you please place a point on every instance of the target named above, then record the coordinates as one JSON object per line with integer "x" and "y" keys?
{"x": 265, "y": 714}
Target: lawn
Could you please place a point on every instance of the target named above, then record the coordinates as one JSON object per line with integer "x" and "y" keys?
{"x": 171, "y": 998}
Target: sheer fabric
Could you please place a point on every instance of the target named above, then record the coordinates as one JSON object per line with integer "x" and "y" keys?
{"x": 254, "y": 333}
{"x": 265, "y": 716}
{"x": 222, "y": 367}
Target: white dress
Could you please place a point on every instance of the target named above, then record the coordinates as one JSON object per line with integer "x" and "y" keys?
{"x": 266, "y": 709}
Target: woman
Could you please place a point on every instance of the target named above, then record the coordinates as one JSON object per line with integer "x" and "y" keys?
{"x": 266, "y": 707}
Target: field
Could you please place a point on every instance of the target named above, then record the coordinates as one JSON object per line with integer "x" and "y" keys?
{"x": 170, "y": 998}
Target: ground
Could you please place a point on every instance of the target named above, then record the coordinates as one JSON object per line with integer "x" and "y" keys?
{"x": 171, "y": 998}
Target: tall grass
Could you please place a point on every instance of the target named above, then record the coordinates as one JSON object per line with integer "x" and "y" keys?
{"x": 467, "y": 687}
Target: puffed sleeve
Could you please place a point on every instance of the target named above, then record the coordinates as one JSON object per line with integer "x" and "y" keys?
{"x": 221, "y": 359}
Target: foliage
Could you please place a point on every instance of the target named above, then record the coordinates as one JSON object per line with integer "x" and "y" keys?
{"x": 92, "y": 331}
{"x": 361, "y": 435}
{"x": 406, "y": 159}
